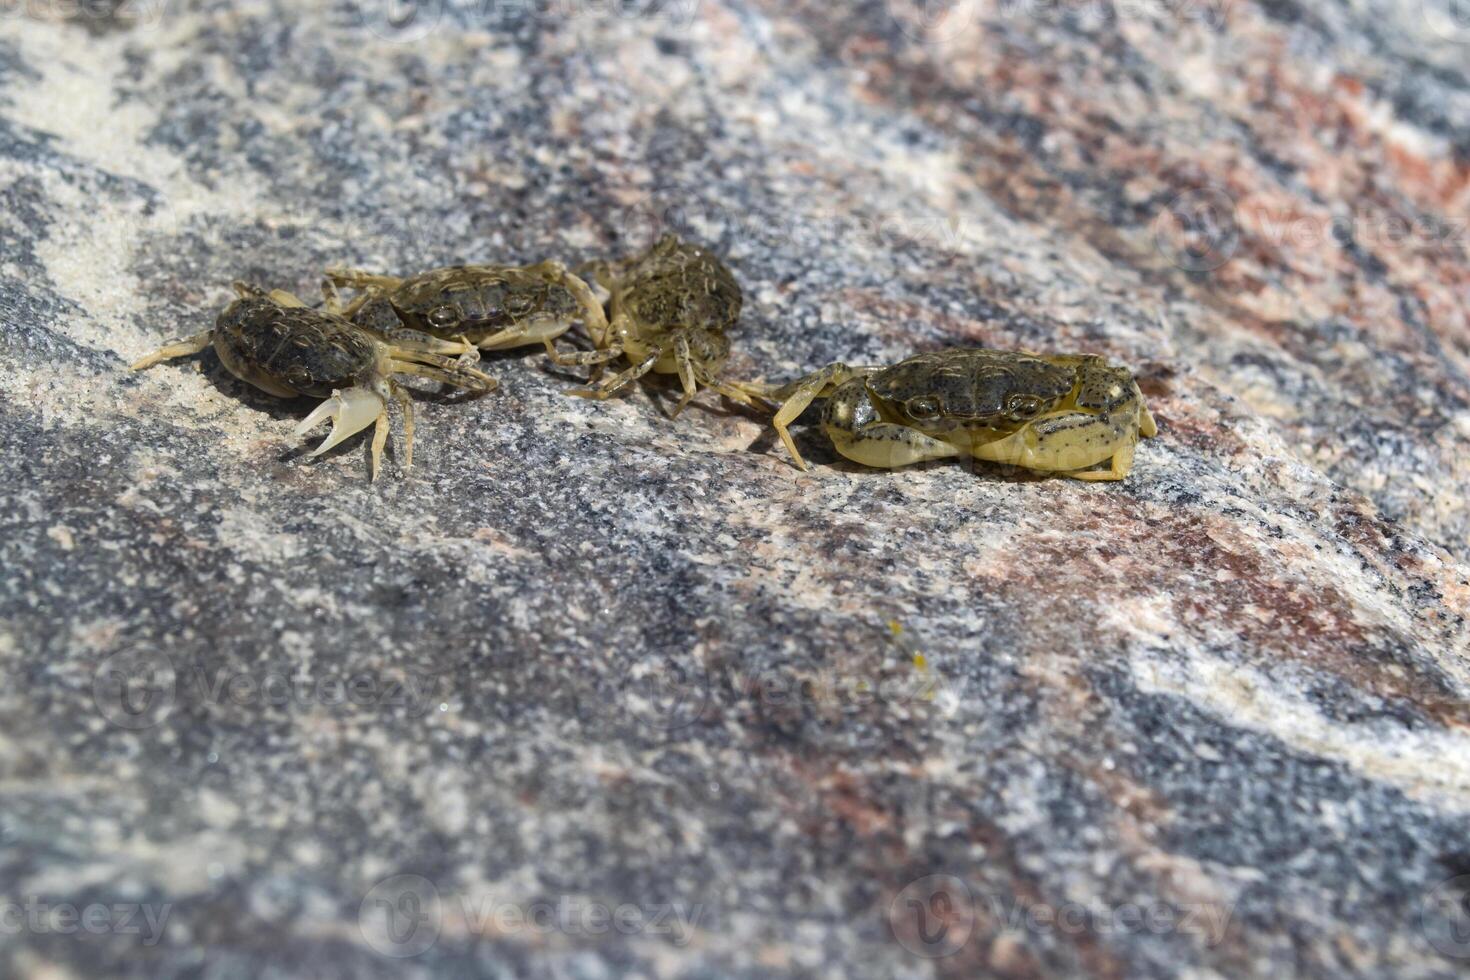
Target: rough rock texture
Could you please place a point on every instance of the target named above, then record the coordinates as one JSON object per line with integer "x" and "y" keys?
{"x": 1212, "y": 720}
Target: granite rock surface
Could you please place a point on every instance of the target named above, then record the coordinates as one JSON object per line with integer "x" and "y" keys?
{"x": 592, "y": 692}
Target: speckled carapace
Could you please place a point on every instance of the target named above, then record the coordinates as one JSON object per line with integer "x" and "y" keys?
{"x": 278, "y": 344}
{"x": 494, "y": 307}
{"x": 670, "y": 309}
{"x": 1055, "y": 413}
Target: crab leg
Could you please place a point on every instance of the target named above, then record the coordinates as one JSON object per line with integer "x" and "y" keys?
{"x": 769, "y": 393}
{"x": 613, "y": 338}
{"x": 582, "y": 358}
{"x": 419, "y": 342}
{"x": 380, "y": 439}
{"x": 607, "y": 350}
{"x": 407, "y": 341}
{"x": 685, "y": 363}
{"x": 544, "y": 330}
{"x": 730, "y": 391}
{"x": 1118, "y": 469}
{"x": 626, "y": 378}
{"x": 406, "y": 404}
{"x": 593, "y": 316}
{"x": 1070, "y": 443}
{"x": 455, "y": 377}
{"x": 282, "y": 298}
{"x": 179, "y": 348}
{"x": 1147, "y": 427}
{"x": 408, "y": 361}
{"x": 361, "y": 279}
{"x": 331, "y": 299}
{"x": 599, "y": 271}
{"x": 369, "y": 285}
{"x": 592, "y": 312}
{"x": 800, "y": 394}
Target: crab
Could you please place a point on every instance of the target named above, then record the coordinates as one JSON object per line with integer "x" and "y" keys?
{"x": 670, "y": 309}
{"x": 493, "y": 307}
{"x": 274, "y": 341}
{"x": 1053, "y": 413}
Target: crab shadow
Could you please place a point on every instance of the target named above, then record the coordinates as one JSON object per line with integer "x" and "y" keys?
{"x": 664, "y": 392}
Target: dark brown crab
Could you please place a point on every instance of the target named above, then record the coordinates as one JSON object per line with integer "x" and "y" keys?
{"x": 1055, "y": 413}
{"x": 283, "y": 347}
{"x": 493, "y": 307}
{"x": 671, "y": 307}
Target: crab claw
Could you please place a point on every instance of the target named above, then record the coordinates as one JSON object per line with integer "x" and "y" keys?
{"x": 351, "y": 411}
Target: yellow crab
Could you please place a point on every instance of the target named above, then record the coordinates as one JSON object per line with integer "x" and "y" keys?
{"x": 283, "y": 347}
{"x": 1054, "y": 413}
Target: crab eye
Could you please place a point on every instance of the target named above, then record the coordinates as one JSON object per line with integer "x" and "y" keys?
{"x": 443, "y": 316}
{"x": 1023, "y": 405}
{"x": 923, "y": 408}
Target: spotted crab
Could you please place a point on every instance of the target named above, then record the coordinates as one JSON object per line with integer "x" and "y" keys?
{"x": 1054, "y": 413}
{"x": 493, "y": 307}
{"x": 670, "y": 307}
{"x": 277, "y": 343}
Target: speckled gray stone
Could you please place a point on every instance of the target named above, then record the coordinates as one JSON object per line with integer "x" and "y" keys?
{"x": 592, "y": 692}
